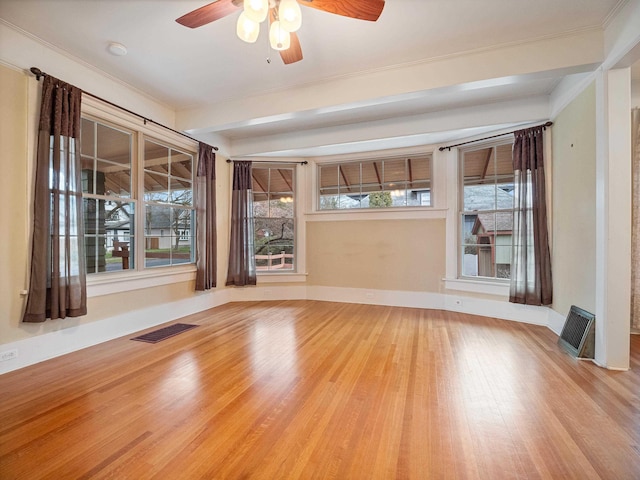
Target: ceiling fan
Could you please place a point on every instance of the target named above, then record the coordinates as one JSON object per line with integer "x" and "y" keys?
{"x": 284, "y": 18}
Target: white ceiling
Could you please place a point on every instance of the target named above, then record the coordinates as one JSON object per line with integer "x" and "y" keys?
{"x": 209, "y": 66}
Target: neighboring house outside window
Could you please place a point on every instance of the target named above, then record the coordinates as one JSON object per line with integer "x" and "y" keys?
{"x": 135, "y": 205}
{"x": 274, "y": 217}
{"x": 486, "y": 217}
{"x": 379, "y": 183}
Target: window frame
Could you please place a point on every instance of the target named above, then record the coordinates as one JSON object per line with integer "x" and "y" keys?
{"x": 461, "y": 212}
{"x": 294, "y": 167}
{"x": 450, "y": 158}
{"x": 107, "y": 283}
{"x": 382, "y": 157}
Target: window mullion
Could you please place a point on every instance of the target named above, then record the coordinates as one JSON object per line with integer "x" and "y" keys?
{"x": 138, "y": 196}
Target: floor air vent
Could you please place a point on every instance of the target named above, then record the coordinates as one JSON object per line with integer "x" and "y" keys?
{"x": 578, "y": 333}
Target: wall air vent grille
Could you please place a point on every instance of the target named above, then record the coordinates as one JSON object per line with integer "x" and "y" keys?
{"x": 578, "y": 334}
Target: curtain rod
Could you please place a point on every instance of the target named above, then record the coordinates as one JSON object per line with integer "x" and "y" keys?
{"x": 39, "y": 73}
{"x": 268, "y": 161}
{"x": 449, "y": 147}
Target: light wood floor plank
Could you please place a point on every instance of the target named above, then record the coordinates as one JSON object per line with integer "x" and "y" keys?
{"x": 320, "y": 390}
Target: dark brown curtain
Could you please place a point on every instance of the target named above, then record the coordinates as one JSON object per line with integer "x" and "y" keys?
{"x": 57, "y": 287}
{"x": 530, "y": 260}
{"x": 242, "y": 262}
{"x": 206, "y": 218}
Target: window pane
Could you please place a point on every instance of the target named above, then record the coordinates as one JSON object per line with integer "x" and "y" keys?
{"x": 419, "y": 169}
{"x": 181, "y": 165}
{"x": 394, "y": 182}
{"x": 106, "y": 160}
{"x": 108, "y": 225}
{"x": 487, "y": 221}
{"x": 274, "y": 243}
{"x": 168, "y": 179}
{"x": 88, "y": 174}
{"x": 156, "y": 158}
{"x": 479, "y": 167}
{"x": 113, "y": 145}
{"x": 380, "y": 200}
{"x": 182, "y": 241}
{"x": 181, "y": 192}
{"x": 157, "y": 230}
{"x": 395, "y": 170}
{"x": 113, "y": 180}
{"x": 274, "y": 211}
{"x": 479, "y": 197}
{"x": 328, "y": 177}
{"x": 419, "y": 194}
{"x": 350, "y": 179}
{"x": 156, "y": 187}
{"x": 168, "y": 235}
{"x": 281, "y": 207}
{"x": 281, "y": 182}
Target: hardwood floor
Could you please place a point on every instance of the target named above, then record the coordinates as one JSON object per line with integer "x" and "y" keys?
{"x": 304, "y": 389}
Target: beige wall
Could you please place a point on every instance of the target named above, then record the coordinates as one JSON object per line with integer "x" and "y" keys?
{"x": 574, "y": 204}
{"x": 404, "y": 255}
{"x": 13, "y": 184}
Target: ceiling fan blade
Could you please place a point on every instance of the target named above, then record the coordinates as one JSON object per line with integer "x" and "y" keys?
{"x": 292, "y": 54}
{"x": 207, "y": 14}
{"x": 361, "y": 9}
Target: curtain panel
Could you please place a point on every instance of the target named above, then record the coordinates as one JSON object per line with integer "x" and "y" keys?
{"x": 57, "y": 285}
{"x": 205, "y": 203}
{"x": 242, "y": 262}
{"x": 635, "y": 223}
{"x": 530, "y": 258}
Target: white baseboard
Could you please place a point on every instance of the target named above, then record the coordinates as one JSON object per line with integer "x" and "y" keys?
{"x": 53, "y": 344}
{"x": 556, "y": 321}
{"x": 268, "y": 291}
{"x": 50, "y": 345}
{"x": 497, "y": 309}
{"x": 376, "y": 297}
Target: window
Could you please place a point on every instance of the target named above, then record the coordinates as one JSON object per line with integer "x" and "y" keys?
{"x": 486, "y": 217}
{"x": 383, "y": 183}
{"x": 168, "y": 205}
{"x": 274, "y": 217}
{"x": 134, "y": 205}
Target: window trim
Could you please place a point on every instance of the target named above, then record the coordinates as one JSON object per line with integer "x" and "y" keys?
{"x": 118, "y": 281}
{"x": 448, "y": 161}
{"x": 506, "y": 140}
{"x": 417, "y": 211}
{"x": 264, "y": 274}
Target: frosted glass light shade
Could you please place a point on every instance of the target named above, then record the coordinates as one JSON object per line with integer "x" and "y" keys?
{"x": 256, "y": 10}
{"x": 247, "y": 29}
{"x": 290, "y": 15}
{"x": 279, "y": 38}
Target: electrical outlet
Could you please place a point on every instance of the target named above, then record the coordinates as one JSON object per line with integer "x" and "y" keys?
{"x": 8, "y": 355}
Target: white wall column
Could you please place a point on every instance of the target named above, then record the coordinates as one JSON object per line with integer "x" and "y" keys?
{"x": 613, "y": 217}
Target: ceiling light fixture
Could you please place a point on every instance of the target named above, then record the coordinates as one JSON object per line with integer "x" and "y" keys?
{"x": 286, "y": 18}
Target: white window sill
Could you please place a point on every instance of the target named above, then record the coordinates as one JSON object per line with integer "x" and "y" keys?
{"x": 124, "y": 281}
{"x": 477, "y": 286}
{"x": 398, "y": 213}
{"x": 289, "y": 277}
